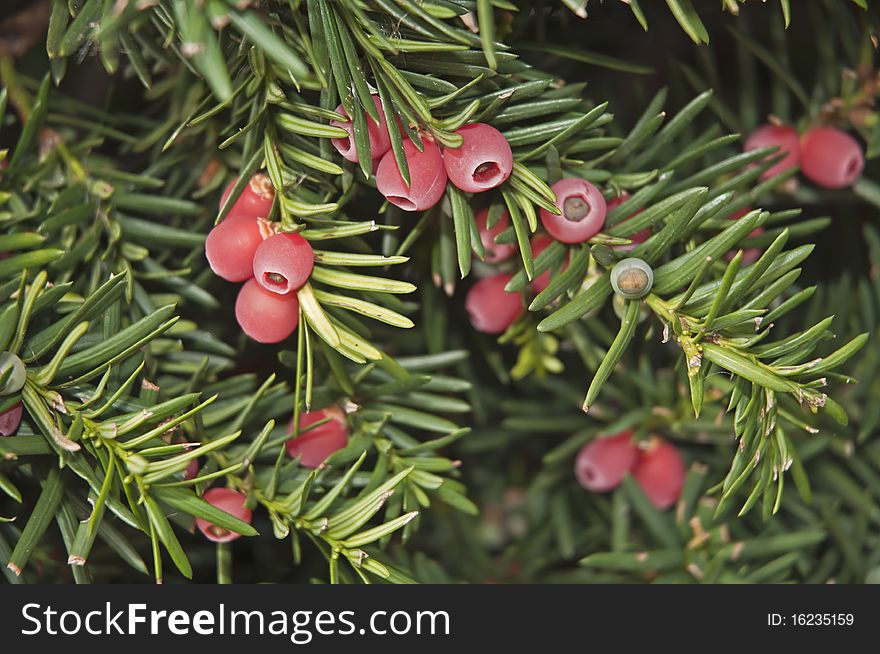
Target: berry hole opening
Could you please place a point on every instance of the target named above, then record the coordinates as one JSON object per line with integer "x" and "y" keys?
{"x": 403, "y": 202}
{"x": 488, "y": 172}
{"x": 344, "y": 143}
{"x": 218, "y": 532}
{"x": 853, "y": 165}
{"x": 576, "y": 208}
{"x": 261, "y": 185}
{"x": 276, "y": 282}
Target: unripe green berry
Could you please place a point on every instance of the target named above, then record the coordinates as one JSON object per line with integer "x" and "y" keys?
{"x": 12, "y": 373}
{"x": 632, "y": 278}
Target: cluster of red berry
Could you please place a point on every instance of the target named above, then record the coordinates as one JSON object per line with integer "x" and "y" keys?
{"x": 481, "y": 162}
{"x": 582, "y": 215}
{"x": 828, "y": 157}
{"x": 657, "y": 467}
{"x": 247, "y": 247}
{"x": 311, "y": 447}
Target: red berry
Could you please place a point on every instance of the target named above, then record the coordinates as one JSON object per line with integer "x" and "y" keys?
{"x": 482, "y": 162}
{"x": 660, "y": 473}
{"x": 10, "y": 420}
{"x": 601, "y": 464}
{"x": 583, "y": 211}
{"x": 230, "y": 501}
{"x": 640, "y": 236}
{"x": 831, "y": 158}
{"x": 265, "y": 316}
{"x": 783, "y": 136}
{"x": 492, "y": 309}
{"x": 494, "y": 252}
{"x": 283, "y": 263}
{"x": 380, "y": 140}
{"x": 256, "y": 199}
{"x": 191, "y": 470}
{"x": 426, "y": 173}
{"x": 231, "y": 245}
{"x": 539, "y": 243}
{"x": 315, "y": 445}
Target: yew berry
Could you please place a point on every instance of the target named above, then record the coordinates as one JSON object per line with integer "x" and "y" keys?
{"x": 640, "y": 236}
{"x": 314, "y": 445}
{"x": 782, "y": 136}
{"x": 831, "y": 158}
{"x": 602, "y": 463}
{"x": 660, "y": 473}
{"x": 13, "y": 373}
{"x": 482, "y": 162}
{"x": 256, "y": 199}
{"x": 583, "y": 211}
{"x": 492, "y": 309}
{"x": 539, "y": 243}
{"x": 632, "y": 278}
{"x": 265, "y": 316}
{"x": 10, "y": 420}
{"x": 191, "y": 470}
{"x": 231, "y": 245}
{"x": 380, "y": 140}
{"x": 283, "y": 263}
{"x": 426, "y": 173}
{"x": 494, "y": 252}
{"x": 230, "y": 501}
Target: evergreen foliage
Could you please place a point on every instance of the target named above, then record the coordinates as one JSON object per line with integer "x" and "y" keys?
{"x": 118, "y": 136}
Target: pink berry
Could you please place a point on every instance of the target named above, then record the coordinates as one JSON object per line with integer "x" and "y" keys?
{"x": 640, "y": 236}
{"x": 482, "y": 162}
{"x": 660, "y": 473}
{"x": 831, "y": 158}
{"x": 191, "y": 470}
{"x": 230, "y": 501}
{"x": 10, "y": 420}
{"x": 539, "y": 243}
{"x": 256, "y": 199}
{"x": 601, "y": 464}
{"x": 494, "y": 252}
{"x": 784, "y": 137}
{"x": 492, "y": 309}
{"x": 265, "y": 316}
{"x": 583, "y": 211}
{"x": 380, "y": 140}
{"x": 315, "y": 445}
{"x": 283, "y": 263}
{"x": 426, "y": 173}
{"x": 231, "y": 245}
